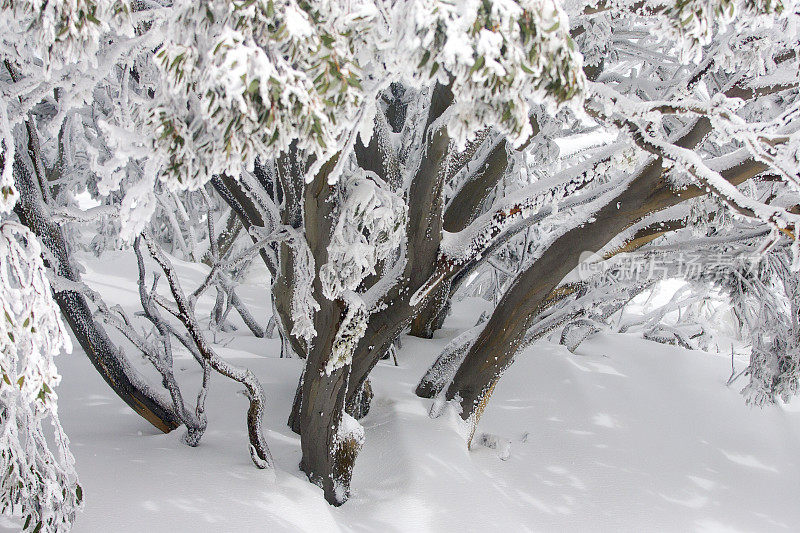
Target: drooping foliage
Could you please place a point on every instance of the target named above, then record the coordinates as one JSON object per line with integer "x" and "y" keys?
{"x": 39, "y": 484}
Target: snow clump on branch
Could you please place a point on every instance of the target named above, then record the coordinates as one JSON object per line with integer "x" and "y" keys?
{"x": 370, "y": 228}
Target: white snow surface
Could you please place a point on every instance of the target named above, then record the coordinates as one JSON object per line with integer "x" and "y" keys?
{"x": 625, "y": 435}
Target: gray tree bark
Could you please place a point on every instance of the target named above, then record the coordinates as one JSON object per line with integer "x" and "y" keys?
{"x": 498, "y": 342}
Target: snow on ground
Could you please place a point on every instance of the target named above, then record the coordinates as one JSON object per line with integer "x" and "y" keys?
{"x": 624, "y": 435}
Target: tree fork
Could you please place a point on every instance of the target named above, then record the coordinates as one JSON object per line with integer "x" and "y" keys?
{"x": 463, "y": 209}
{"x": 430, "y": 317}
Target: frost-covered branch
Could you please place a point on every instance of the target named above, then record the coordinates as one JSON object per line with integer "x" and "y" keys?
{"x": 259, "y": 451}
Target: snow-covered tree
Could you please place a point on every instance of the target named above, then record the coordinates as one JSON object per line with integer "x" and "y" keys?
{"x": 381, "y": 155}
{"x": 39, "y": 484}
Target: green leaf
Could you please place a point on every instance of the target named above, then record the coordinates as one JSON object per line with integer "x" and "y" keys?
{"x": 478, "y": 64}
{"x": 425, "y": 57}
{"x": 178, "y": 59}
{"x": 352, "y": 81}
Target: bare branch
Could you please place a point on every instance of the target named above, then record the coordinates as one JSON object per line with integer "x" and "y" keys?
{"x": 259, "y": 451}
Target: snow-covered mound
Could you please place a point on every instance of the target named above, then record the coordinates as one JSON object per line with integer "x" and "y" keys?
{"x": 624, "y": 435}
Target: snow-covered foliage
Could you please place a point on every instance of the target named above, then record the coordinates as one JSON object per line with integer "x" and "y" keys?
{"x": 39, "y": 484}
{"x": 246, "y": 78}
{"x": 497, "y": 57}
{"x": 60, "y": 33}
{"x": 766, "y": 300}
{"x": 303, "y": 304}
{"x": 692, "y": 23}
{"x": 233, "y": 80}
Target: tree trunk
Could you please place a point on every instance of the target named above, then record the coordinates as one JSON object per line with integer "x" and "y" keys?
{"x": 328, "y": 453}
{"x": 107, "y": 358}
{"x": 328, "y": 456}
{"x": 357, "y": 403}
{"x": 502, "y": 336}
{"x": 431, "y": 317}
